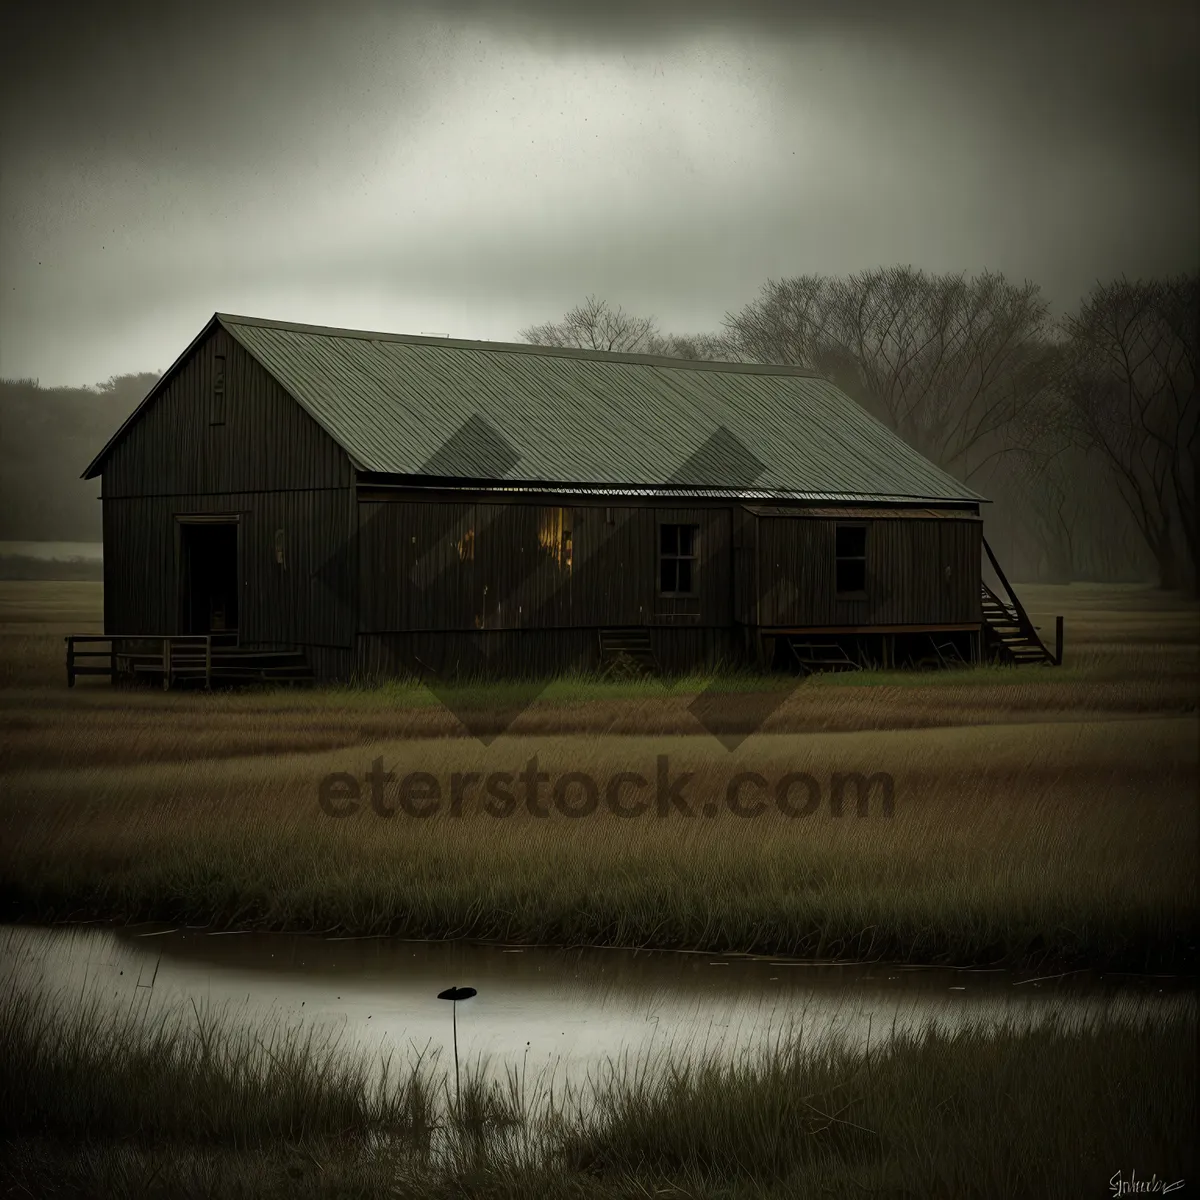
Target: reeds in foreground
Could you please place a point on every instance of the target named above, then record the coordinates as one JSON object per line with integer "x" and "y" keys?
{"x": 183, "y": 1104}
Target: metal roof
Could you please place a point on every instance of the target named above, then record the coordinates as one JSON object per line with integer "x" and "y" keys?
{"x": 425, "y": 408}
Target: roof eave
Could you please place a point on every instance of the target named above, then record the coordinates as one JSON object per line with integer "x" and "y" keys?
{"x": 368, "y": 478}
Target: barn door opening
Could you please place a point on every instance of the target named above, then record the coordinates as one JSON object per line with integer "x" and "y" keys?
{"x": 209, "y": 583}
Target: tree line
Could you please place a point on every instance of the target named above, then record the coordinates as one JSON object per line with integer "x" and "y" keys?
{"x": 47, "y": 437}
{"x": 1084, "y": 429}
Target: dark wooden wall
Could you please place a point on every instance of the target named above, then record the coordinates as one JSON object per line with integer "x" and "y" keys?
{"x": 268, "y": 442}
{"x": 921, "y": 572}
{"x": 308, "y": 600}
{"x": 272, "y": 466}
{"x": 414, "y": 576}
{"x": 766, "y": 571}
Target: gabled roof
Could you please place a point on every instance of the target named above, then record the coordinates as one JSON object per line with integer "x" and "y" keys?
{"x": 420, "y": 407}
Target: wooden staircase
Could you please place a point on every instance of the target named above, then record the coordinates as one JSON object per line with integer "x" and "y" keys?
{"x": 1009, "y": 635}
{"x": 627, "y": 653}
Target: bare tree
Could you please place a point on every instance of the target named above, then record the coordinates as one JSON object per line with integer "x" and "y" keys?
{"x": 699, "y": 347}
{"x": 1047, "y": 501}
{"x": 47, "y": 437}
{"x": 948, "y": 362}
{"x": 1129, "y": 376}
{"x": 596, "y": 325}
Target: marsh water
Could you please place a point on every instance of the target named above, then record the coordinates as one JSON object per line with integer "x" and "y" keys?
{"x": 537, "y": 1008}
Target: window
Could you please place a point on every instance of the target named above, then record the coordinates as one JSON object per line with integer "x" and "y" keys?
{"x": 850, "y": 559}
{"x": 216, "y": 414}
{"x": 677, "y": 559}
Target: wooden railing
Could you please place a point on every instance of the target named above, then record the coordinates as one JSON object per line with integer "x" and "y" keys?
{"x": 1026, "y": 625}
{"x": 73, "y": 656}
{"x": 176, "y": 655}
{"x": 1022, "y": 615}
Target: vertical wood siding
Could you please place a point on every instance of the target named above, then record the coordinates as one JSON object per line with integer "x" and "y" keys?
{"x": 267, "y": 443}
{"x": 415, "y": 575}
{"x": 307, "y": 600}
{"x": 918, "y": 572}
{"x": 271, "y": 465}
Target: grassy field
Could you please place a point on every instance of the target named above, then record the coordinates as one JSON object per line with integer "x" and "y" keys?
{"x": 1022, "y": 843}
{"x": 122, "y": 1106}
{"x": 1038, "y": 815}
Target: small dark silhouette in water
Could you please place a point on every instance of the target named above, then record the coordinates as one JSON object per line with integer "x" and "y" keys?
{"x": 455, "y": 994}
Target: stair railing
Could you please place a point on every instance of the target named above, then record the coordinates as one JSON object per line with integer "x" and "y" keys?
{"x": 1023, "y": 622}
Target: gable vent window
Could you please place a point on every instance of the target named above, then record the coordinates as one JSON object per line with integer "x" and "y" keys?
{"x": 677, "y": 559}
{"x": 850, "y": 560}
{"x": 216, "y": 412}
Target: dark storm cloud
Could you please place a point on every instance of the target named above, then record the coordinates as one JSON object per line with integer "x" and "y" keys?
{"x": 477, "y": 166}
{"x": 114, "y": 74}
{"x": 1111, "y": 65}
{"x": 201, "y": 82}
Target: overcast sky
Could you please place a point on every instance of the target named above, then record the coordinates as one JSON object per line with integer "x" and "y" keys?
{"x": 469, "y": 169}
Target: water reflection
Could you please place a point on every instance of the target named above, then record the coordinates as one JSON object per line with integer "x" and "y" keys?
{"x": 567, "y": 1010}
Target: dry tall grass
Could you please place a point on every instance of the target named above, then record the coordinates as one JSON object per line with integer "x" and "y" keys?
{"x": 1038, "y": 813}
{"x": 1010, "y": 843}
{"x": 182, "y": 1106}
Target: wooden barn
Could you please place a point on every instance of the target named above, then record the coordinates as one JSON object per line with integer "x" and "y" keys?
{"x": 292, "y": 500}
